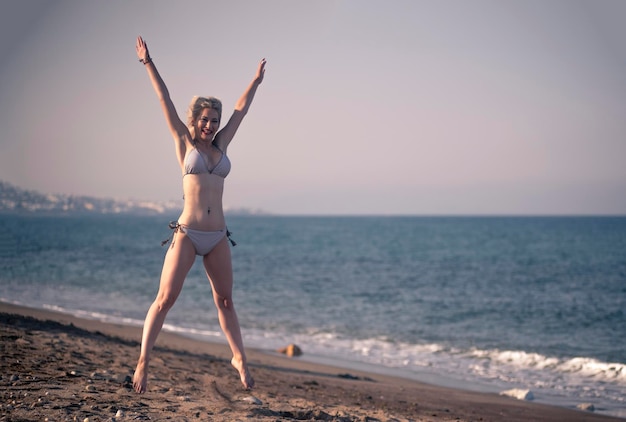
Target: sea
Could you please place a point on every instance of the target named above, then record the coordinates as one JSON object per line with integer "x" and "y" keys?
{"x": 478, "y": 303}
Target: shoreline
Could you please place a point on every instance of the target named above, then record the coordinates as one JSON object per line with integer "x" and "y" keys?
{"x": 59, "y": 366}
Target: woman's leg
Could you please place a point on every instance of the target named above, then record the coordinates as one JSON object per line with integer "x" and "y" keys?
{"x": 219, "y": 269}
{"x": 178, "y": 261}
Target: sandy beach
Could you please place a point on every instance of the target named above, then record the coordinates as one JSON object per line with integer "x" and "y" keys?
{"x": 58, "y": 367}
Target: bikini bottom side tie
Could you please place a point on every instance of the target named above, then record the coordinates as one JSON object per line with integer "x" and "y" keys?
{"x": 203, "y": 241}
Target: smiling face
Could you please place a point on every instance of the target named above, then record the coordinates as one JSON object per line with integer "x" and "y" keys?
{"x": 207, "y": 124}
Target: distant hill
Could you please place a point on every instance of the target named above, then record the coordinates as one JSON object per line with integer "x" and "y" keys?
{"x": 17, "y": 200}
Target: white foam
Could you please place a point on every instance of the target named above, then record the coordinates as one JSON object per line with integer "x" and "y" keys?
{"x": 194, "y": 332}
{"x": 94, "y": 315}
{"x": 584, "y": 367}
{"x": 593, "y": 368}
{"x": 516, "y": 358}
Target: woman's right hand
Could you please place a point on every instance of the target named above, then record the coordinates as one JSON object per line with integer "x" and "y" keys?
{"x": 142, "y": 50}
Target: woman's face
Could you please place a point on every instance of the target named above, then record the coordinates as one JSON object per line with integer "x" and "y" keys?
{"x": 207, "y": 124}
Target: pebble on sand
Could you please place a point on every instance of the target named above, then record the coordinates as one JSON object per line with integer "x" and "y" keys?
{"x": 291, "y": 350}
{"x": 518, "y": 393}
{"x": 252, "y": 400}
{"x": 589, "y": 407}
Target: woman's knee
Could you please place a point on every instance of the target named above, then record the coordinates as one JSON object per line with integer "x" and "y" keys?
{"x": 164, "y": 302}
{"x": 223, "y": 303}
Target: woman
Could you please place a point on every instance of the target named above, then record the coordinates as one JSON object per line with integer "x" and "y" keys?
{"x": 201, "y": 228}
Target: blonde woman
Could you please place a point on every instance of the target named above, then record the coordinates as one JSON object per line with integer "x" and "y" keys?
{"x": 201, "y": 228}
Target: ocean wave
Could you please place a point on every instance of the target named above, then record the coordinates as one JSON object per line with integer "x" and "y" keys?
{"x": 584, "y": 367}
{"x": 213, "y": 335}
{"x": 97, "y": 316}
{"x": 195, "y": 332}
{"x": 511, "y": 366}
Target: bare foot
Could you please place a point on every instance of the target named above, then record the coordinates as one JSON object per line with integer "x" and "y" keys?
{"x": 244, "y": 373}
{"x": 140, "y": 379}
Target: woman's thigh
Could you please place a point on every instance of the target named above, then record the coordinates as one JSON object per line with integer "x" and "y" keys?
{"x": 178, "y": 260}
{"x": 219, "y": 269}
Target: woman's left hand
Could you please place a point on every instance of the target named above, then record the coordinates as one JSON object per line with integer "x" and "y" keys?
{"x": 260, "y": 72}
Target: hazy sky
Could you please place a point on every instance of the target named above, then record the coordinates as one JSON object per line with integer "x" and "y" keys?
{"x": 368, "y": 107}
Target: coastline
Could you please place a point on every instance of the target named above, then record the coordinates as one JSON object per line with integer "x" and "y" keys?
{"x": 63, "y": 367}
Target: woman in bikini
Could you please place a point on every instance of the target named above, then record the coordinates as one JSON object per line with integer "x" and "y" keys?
{"x": 201, "y": 227}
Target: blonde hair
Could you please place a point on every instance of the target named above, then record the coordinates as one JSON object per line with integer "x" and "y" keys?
{"x": 200, "y": 103}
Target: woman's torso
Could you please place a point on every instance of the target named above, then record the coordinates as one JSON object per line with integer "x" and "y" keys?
{"x": 204, "y": 171}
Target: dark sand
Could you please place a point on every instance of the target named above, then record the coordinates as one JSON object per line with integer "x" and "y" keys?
{"x": 61, "y": 368}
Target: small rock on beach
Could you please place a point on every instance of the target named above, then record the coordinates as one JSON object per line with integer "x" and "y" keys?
{"x": 291, "y": 350}
{"x": 589, "y": 407}
{"x": 518, "y": 393}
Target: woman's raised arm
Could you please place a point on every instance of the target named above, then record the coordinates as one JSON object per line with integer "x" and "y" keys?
{"x": 177, "y": 127}
{"x": 227, "y": 133}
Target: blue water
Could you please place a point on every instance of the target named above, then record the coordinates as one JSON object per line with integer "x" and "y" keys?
{"x": 485, "y": 303}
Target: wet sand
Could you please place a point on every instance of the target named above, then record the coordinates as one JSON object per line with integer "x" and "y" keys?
{"x": 57, "y": 367}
